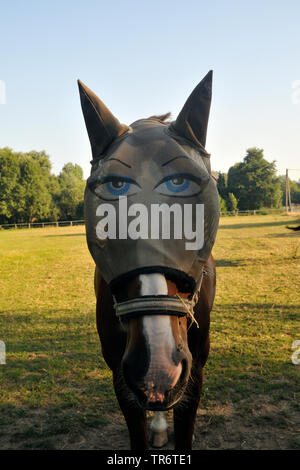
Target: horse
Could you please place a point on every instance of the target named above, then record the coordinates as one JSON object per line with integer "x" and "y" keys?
{"x": 151, "y": 215}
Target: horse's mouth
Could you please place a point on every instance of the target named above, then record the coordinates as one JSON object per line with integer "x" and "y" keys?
{"x": 171, "y": 397}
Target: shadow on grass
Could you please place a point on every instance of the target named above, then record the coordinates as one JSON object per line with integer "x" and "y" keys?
{"x": 283, "y": 235}
{"x": 83, "y": 401}
{"x": 230, "y": 377}
{"x": 252, "y": 308}
{"x": 49, "y": 427}
{"x": 223, "y": 263}
{"x": 66, "y": 235}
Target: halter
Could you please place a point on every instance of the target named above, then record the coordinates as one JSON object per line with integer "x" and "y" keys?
{"x": 152, "y": 305}
{"x": 159, "y": 305}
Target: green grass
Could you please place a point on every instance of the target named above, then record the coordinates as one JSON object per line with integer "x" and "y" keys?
{"x": 55, "y": 384}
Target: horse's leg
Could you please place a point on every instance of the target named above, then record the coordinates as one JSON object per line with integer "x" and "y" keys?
{"x": 159, "y": 428}
{"x": 134, "y": 416}
{"x": 186, "y": 410}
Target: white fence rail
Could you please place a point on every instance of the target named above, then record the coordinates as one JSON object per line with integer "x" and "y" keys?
{"x": 254, "y": 212}
{"x": 71, "y": 223}
{"x": 60, "y": 223}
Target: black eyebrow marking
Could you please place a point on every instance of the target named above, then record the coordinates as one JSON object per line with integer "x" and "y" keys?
{"x": 123, "y": 163}
{"x": 197, "y": 179}
{"x": 108, "y": 178}
{"x": 172, "y": 159}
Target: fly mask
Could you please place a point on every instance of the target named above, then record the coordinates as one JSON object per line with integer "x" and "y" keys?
{"x": 151, "y": 204}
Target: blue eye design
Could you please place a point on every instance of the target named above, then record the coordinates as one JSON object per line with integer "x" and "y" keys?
{"x": 113, "y": 185}
{"x": 118, "y": 187}
{"x": 179, "y": 185}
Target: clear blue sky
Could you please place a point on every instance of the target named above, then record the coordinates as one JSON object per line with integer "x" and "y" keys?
{"x": 144, "y": 58}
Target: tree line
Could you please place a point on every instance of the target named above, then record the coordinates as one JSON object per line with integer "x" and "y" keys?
{"x": 30, "y": 192}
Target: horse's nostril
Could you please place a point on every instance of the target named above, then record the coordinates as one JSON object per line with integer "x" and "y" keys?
{"x": 173, "y": 376}
{"x": 154, "y": 396}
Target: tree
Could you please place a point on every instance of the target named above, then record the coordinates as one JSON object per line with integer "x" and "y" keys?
{"x": 254, "y": 182}
{"x": 70, "y": 199}
{"x": 33, "y": 187}
{"x": 29, "y": 192}
{"x": 223, "y": 207}
{"x": 222, "y": 185}
{"x": 232, "y": 203}
{"x": 24, "y": 195}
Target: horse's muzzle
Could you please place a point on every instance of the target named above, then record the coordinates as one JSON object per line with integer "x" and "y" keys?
{"x": 156, "y": 366}
{"x": 155, "y": 399}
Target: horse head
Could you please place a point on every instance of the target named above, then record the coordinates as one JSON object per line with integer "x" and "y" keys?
{"x": 152, "y": 210}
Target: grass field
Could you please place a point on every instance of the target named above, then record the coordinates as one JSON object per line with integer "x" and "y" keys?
{"x": 55, "y": 389}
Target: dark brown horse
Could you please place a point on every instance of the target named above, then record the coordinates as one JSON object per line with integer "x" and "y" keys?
{"x": 129, "y": 340}
{"x": 154, "y": 287}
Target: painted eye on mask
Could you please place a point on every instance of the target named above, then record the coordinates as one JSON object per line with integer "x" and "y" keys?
{"x": 110, "y": 187}
{"x": 180, "y": 185}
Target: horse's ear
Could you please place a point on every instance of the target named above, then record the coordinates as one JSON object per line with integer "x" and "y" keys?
{"x": 103, "y": 128}
{"x": 192, "y": 120}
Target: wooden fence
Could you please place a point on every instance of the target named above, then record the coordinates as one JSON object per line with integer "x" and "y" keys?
{"x": 71, "y": 223}
{"x": 60, "y": 223}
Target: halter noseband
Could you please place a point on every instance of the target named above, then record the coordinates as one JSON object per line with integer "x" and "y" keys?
{"x": 153, "y": 305}
{"x": 159, "y": 305}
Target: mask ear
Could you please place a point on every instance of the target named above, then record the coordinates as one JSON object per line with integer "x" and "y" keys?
{"x": 192, "y": 121}
{"x": 103, "y": 128}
